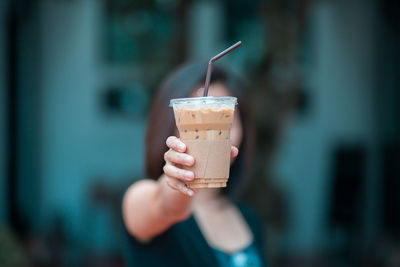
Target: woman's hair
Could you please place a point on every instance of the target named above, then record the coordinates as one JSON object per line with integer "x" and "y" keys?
{"x": 161, "y": 123}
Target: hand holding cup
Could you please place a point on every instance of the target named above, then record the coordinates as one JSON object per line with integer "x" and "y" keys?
{"x": 175, "y": 160}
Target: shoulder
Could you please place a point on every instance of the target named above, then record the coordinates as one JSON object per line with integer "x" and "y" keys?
{"x": 138, "y": 188}
{"x": 145, "y": 184}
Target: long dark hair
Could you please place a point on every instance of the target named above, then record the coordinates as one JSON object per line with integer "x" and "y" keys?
{"x": 161, "y": 123}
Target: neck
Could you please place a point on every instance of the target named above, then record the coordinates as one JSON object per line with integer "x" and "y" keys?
{"x": 208, "y": 198}
{"x": 206, "y": 195}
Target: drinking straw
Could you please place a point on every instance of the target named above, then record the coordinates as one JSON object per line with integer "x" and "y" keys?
{"x": 212, "y": 60}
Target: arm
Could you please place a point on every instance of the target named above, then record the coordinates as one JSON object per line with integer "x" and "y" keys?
{"x": 150, "y": 207}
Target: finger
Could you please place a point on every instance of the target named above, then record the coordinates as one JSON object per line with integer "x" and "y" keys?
{"x": 178, "y": 158}
{"x": 176, "y": 144}
{"x": 179, "y": 186}
{"x": 234, "y": 152}
{"x": 195, "y": 190}
{"x": 177, "y": 173}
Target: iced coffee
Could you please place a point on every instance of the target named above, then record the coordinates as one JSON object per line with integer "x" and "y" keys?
{"x": 204, "y": 125}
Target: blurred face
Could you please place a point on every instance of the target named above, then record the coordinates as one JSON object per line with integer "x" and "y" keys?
{"x": 218, "y": 89}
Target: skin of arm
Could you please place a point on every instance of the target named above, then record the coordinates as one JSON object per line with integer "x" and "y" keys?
{"x": 150, "y": 207}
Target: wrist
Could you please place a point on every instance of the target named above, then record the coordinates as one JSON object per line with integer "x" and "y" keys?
{"x": 175, "y": 206}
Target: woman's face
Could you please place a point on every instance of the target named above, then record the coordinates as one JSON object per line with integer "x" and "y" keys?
{"x": 218, "y": 89}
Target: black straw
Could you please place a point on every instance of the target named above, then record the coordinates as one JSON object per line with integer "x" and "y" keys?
{"x": 215, "y": 58}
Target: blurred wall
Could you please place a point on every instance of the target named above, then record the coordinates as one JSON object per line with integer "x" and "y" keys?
{"x": 206, "y": 29}
{"x": 3, "y": 111}
{"x": 339, "y": 83}
{"x": 28, "y": 101}
{"x": 388, "y": 64}
{"x": 80, "y": 143}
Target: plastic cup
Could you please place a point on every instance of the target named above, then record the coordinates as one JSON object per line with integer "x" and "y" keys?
{"x": 204, "y": 125}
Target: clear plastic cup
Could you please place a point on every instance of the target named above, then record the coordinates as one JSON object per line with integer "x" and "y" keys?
{"x": 204, "y": 125}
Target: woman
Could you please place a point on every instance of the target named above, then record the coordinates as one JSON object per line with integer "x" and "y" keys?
{"x": 172, "y": 225}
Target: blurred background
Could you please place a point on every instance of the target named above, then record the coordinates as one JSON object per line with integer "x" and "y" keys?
{"x": 77, "y": 78}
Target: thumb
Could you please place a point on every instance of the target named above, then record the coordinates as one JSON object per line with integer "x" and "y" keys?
{"x": 234, "y": 152}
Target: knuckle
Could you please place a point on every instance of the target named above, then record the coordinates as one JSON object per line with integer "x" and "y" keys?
{"x": 165, "y": 168}
{"x": 171, "y": 153}
{"x": 180, "y": 157}
{"x": 170, "y": 183}
{"x": 181, "y": 187}
{"x": 170, "y": 171}
{"x": 169, "y": 141}
{"x": 181, "y": 173}
{"x": 174, "y": 157}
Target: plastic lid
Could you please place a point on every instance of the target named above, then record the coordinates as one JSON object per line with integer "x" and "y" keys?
{"x": 228, "y": 100}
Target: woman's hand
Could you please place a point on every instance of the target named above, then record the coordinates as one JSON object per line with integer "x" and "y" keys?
{"x": 150, "y": 207}
{"x": 175, "y": 159}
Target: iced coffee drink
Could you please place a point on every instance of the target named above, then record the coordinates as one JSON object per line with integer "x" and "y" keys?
{"x": 204, "y": 125}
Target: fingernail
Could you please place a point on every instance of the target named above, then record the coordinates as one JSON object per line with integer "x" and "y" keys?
{"x": 188, "y": 160}
{"x": 189, "y": 192}
{"x": 188, "y": 175}
{"x": 181, "y": 146}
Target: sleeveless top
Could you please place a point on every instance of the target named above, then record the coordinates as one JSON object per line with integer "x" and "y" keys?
{"x": 183, "y": 244}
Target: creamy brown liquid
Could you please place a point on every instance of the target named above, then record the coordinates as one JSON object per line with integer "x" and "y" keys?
{"x": 206, "y": 133}
{"x": 204, "y": 124}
